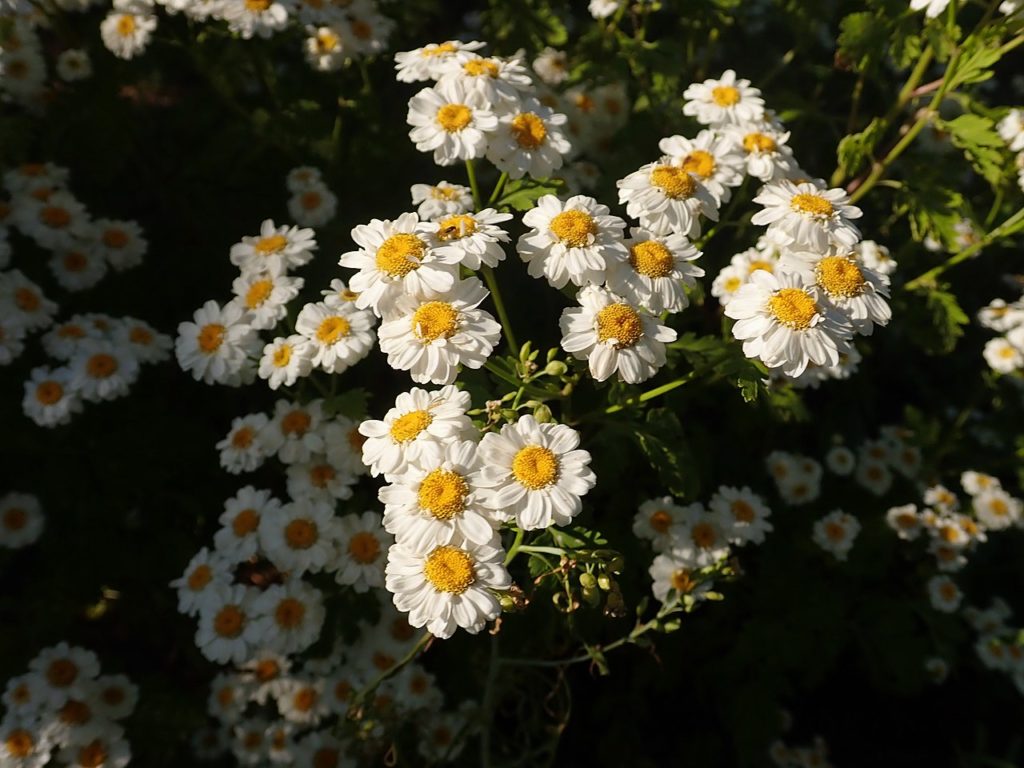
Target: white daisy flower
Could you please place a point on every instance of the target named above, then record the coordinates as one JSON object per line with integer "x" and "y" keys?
{"x": 712, "y": 157}
{"x": 667, "y": 198}
{"x": 416, "y": 430}
{"x": 1011, "y": 130}
{"x": 552, "y": 66}
{"x": 447, "y": 586}
{"x": 905, "y": 521}
{"x": 73, "y": 65}
{"x": 670, "y": 571}
{"x": 12, "y": 338}
{"x": 724, "y": 101}
{"x": 121, "y": 243}
{"x": 302, "y": 701}
{"x": 974, "y": 483}
{"x": 602, "y": 9}
{"x": 835, "y": 533}
{"x": 228, "y": 698}
{"x": 143, "y": 340}
{"x": 996, "y": 509}
{"x": 238, "y": 537}
{"x": 343, "y": 445}
{"x": 293, "y": 432}
{"x": 265, "y": 296}
{"x": 24, "y": 695}
{"x": 944, "y": 594}
{"x": 653, "y": 520}
{"x": 21, "y": 520}
{"x": 856, "y": 290}
{"x": 451, "y": 120}
{"x": 430, "y": 61}
{"x": 873, "y": 474}
{"x": 766, "y": 154}
{"x": 877, "y": 257}
{"x": 727, "y": 283}
{"x": 394, "y": 260}
{"x": 77, "y": 269}
{"x": 431, "y": 338}
{"x": 496, "y": 79}
{"x": 804, "y": 217}
{"x": 300, "y": 537}
{"x": 255, "y": 17}
{"x": 362, "y": 542}
{"x": 474, "y": 237}
{"x": 943, "y": 499}
{"x": 62, "y": 340}
{"x": 931, "y": 8}
{"x": 1002, "y": 356}
{"x": 614, "y": 336}
{"x": 574, "y": 240}
{"x": 698, "y": 539}
{"x": 441, "y": 200}
{"x": 242, "y": 451}
{"x": 319, "y": 749}
{"x": 338, "y": 294}
{"x": 126, "y": 32}
{"x": 23, "y": 304}
{"x": 288, "y": 617}
{"x": 529, "y": 140}
{"x": 102, "y": 370}
{"x": 1000, "y": 316}
{"x": 534, "y": 473}
{"x": 439, "y": 502}
{"x": 313, "y": 206}
{"x": 196, "y": 585}
{"x": 657, "y": 272}
{"x": 368, "y": 30}
{"x": 303, "y": 177}
{"x": 840, "y": 460}
{"x": 249, "y": 741}
{"x": 108, "y": 749}
{"x": 275, "y": 249}
{"x": 226, "y": 631}
{"x": 50, "y": 400}
{"x": 744, "y": 515}
{"x": 784, "y": 323}
{"x": 339, "y": 334}
{"x": 319, "y": 480}
{"x": 414, "y": 690}
{"x": 216, "y": 346}
{"x": 324, "y": 48}
{"x": 286, "y": 359}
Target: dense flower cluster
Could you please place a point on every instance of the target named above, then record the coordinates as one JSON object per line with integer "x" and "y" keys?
{"x": 1005, "y": 353}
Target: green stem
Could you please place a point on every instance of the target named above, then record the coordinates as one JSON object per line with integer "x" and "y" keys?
{"x": 652, "y": 393}
{"x": 516, "y": 546}
{"x": 473, "y": 185}
{"x": 421, "y": 645}
{"x": 502, "y": 180}
{"x": 541, "y": 550}
{"x": 928, "y": 277}
{"x": 506, "y": 325}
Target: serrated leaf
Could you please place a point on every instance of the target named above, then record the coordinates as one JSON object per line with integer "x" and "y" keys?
{"x": 862, "y": 38}
{"x": 522, "y": 195}
{"x": 352, "y": 403}
{"x": 981, "y": 143}
{"x": 856, "y": 150}
{"x": 935, "y": 318}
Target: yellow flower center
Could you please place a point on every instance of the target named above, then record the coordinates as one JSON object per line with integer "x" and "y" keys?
{"x": 229, "y": 621}
{"x": 408, "y": 426}
{"x": 311, "y": 200}
{"x": 61, "y": 673}
{"x": 55, "y": 217}
{"x": 258, "y": 293}
{"x": 681, "y": 581}
{"x": 26, "y": 299}
{"x": 210, "y": 338}
{"x": 15, "y": 519}
{"x": 700, "y": 163}
{"x": 200, "y": 577}
{"x": 529, "y": 130}
{"x": 840, "y": 276}
{"x": 999, "y": 507}
{"x": 125, "y": 25}
{"x": 674, "y": 181}
{"x": 481, "y": 67}
{"x": 948, "y": 591}
{"x": 75, "y": 261}
{"x": 92, "y": 755}
{"x": 257, "y": 6}
{"x": 732, "y": 284}
{"x": 400, "y": 254}
{"x": 793, "y": 308}
{"x": 19, "y": 743}
{"x": 535, "y": 467}
{"x": 454, "y": 117}
{"x": 742, "y": 511}
{"x": 703, "y": 535}
{"x": 243, "y": 437}
{"x": 301, "y": 534}
{"x": 444, "y": 193}
{"x": 761, "y": 264}
{"x": 449, "y": 569}
{"x": 49, "y": 392}
{"x": 814, "y": 205}
{"x": 361, "y": 29}
{"x": 660, "y": 521}
{"x": 327, "y": 41}
{"x": 725, "y": 95}
{"x": 245, "y": 522}
{"x": 115, "y": 238}
{"x": 758, "y": 142}
{"x": 101, "y": 366}
{"x": 364, "y": 547}
{"x": 835, "y": 531}
{"x": 651, "y": 258}
{"x": 621, "y": 323}
{"x": 289, "y": 613}
{"x": 443, "y": 494}
{"x": 435, "y": 320}
{"x": 438, "y": 50}
{"x": 456, "y": 227}
{"x": 574, "y": 228}
{"x": 282, "y": 356}
{"x": 332, "y": 328}
{"x": 266, "y": 246}
{"x": 321, "y": 475}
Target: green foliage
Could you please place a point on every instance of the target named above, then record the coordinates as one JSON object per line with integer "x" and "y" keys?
{"x": 856, "y": 150}
{"x": 934, "y": 319}
{"x": 981, "y": 143}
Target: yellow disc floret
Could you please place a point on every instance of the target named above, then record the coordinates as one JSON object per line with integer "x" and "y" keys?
{"x": 449, "y": 569}
{"x": 400, "y": 254}
{"x": 332, "y": 328}
{"x": 456, "y": 227}
{"x": 758, "y": 142}
{"x": 535, "y": 467}
{"x": 443, "y": 494}
{"x": 407, "y": 426}
{"x": 454, "y": 117}
{"x": 435, "y": 320}
{"x": 725, "y": 95}
{"x": 651, "y": 258}
{"x": 674, "y": 181}
{"x": 840, "y": 276}
{"x": 700, "y": 163}
{"x": 815, "y": 205}
{"x": 529, "y": 130}
{"x": 621, "y": 323}
{"x": 793, "y": 307}
{"x": 574, "y": 228}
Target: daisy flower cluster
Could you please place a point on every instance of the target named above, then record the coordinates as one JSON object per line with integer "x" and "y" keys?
{"x": 693, "y": 542}
{"x": 22, "y": 64}
{"x": 450, "y": 490}
{"x": 802, "y": 294}
{"x": 222, "y": 345}
{"x": 21, "y": 520}
{"x": 63, "y": 711}
{"x": 998, "y": 644}
{"x": 953, "y": 531}
{"x": 1005, "y": 353}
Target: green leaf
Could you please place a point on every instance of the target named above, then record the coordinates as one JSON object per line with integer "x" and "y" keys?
{"x": 857, "y": 149}
{"x": 661, "y": 440}
{"x": 523, "y": 194}
{"x": 981, "y": 143}
{"x": 935, "y": 319}
{"x": 352, "y": 403}
{"x": 976, "y": 61}
{"x": 933, "y": 209}
{"x": 863, "y": 37}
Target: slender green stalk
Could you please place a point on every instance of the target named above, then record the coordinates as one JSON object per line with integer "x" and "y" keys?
{"x": 541, "y": 550}
{"x": 502, "y": 180}
{"x": 473, "y": 185}
{"x": 653, "y": 393}
{"x": 506, "y": 325}
{"x": 421, "y": 645}
{"x": 516, "y": 545}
